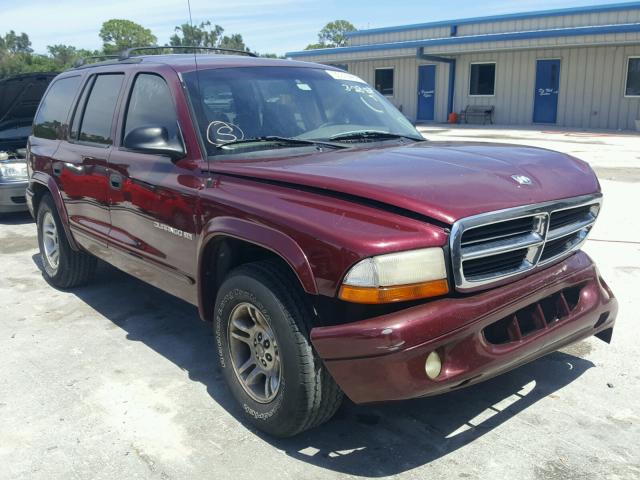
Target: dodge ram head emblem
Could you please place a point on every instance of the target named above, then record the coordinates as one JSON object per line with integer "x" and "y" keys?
{"x": 522, "y": 180}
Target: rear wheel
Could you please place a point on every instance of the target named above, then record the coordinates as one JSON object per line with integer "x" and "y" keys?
{"x": 262, "y": 326}
{"x": 62, "y": 266}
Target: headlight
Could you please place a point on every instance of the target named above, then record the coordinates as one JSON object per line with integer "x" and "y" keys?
{"x": 397, "y": 277}
{"x": 13, "y": 170}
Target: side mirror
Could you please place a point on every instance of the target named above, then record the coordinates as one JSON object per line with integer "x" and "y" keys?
{"x": 154, "y": 140}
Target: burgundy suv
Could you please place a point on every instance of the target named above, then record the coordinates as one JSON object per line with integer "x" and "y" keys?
{"x": 333, "y": 248}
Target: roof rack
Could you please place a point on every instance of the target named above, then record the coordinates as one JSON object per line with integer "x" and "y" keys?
{"x": 126, "y": 54}
{"x": 83, "y": 61}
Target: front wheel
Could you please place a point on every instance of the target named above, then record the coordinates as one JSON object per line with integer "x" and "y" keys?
{"x": 62, "y": 266}
{"x": 262, "y": 328}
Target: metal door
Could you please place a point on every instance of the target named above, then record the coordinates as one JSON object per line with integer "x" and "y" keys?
{"x": 426, "y": 92}
{"x": 545, "y": 106}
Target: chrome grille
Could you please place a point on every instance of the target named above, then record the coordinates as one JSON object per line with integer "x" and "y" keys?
{"x": 493, "y": 248}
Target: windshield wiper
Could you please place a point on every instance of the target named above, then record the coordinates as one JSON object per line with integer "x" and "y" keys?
{"x": 371, "y": 135}
{"x": 283, "y": 141}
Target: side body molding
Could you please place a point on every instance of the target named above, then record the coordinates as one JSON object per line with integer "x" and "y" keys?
{"x": 49, "y": 183}
{"x": 260, "y": 235}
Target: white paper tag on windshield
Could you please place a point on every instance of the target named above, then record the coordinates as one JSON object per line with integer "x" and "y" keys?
{"x": 344, "y": 76}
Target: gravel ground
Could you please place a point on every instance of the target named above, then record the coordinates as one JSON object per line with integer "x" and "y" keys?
{"x": 117, "y": 379}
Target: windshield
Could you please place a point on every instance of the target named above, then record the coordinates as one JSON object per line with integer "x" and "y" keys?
{"x": 234, "y": 105}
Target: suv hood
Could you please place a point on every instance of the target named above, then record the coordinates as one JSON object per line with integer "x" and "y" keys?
{"x": 19, "y": 100}
{"x": 443, "y": 180}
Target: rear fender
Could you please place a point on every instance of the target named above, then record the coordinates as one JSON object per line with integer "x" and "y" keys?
{"x": 49, "y": 183}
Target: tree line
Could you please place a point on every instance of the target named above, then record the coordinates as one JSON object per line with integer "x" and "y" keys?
{"x": 17, "y": 56}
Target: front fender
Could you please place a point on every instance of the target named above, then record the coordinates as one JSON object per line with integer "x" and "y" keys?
{"x": 261, "y": 235}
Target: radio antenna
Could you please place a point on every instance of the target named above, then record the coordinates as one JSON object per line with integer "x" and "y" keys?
{"x": 195, "y": 61}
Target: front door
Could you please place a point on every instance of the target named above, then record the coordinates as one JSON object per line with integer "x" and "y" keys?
{"x": 152, "y": 198}
{"x": 426, "y": 93}
{"x": 545, "y": 108}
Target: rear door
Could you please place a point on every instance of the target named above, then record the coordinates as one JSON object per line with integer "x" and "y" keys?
{"x": 81, "y": 162}
{"x": 152, "y": 198}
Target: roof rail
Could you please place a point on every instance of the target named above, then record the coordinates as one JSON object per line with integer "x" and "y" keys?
{"x": 126, "y": 54}
{"x": 83, "y": 61}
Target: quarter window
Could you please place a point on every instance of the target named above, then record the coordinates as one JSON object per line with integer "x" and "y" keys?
{"x": 384, "y": 81}
{"x": 55, "y": 107}
{"x": 150, "y": 105}
{"x": 633, "y": 78}
{"x": 483, "y": 79}
{"x": 95, "y": 126}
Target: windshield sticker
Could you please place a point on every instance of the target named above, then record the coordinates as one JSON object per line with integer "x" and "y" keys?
{"x": 368, "y": 102}
{"x": 367, "y": 96}
{"x": 220, "y": 133}
{"x": 344, "y": 76}
{"x": 367, "y": 90}
{"x": 303, "y": 86}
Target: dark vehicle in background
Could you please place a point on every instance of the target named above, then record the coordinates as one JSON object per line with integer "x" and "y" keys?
{"x": 333, "y": 248}
{"x": 19, "y": 99}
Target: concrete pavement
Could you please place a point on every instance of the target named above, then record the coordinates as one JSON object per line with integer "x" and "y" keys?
{"x": 117, "y": 380}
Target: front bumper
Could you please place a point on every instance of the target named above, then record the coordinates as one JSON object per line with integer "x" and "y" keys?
{"x": 383, "y": 358}
{"x": 12, "y": 196}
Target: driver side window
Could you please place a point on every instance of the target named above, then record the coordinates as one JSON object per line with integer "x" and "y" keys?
{"x": 151, "y": 105}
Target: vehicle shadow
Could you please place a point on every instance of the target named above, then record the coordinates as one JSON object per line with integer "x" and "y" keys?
{"x": 372, "y": 441}
{"x": 17, "y": 218}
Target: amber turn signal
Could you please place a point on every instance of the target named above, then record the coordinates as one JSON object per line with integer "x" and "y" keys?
{"x": 400, "y": 293}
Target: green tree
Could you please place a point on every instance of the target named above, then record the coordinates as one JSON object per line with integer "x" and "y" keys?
{"x": 270, "y": 55}
{"x": 203, "y": 35}
{"x": 206, "y": 35}
{"x": 234, "y": 42}
{"x": 13, "y": 43}
{"x": 64, "y": 56}
{"x": 333, "y": 34}
{"x": 118, "y": 35}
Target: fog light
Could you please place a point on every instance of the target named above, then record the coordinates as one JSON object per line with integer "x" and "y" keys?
{"x": 433, "y": 365}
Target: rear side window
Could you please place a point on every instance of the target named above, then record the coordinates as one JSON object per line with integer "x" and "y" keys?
{"x": 150, "y": 105}
{"x": 54, "y": 110}
{"x": 97, "y": 117}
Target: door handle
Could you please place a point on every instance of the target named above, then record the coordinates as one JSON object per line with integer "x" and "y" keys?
{"x": 115, "y": 180}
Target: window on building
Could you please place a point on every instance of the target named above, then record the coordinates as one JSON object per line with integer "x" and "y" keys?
{"x": 633, "y": 78}
{"x": 384, "y": 81}
{"x": 95, "y": 126}
{"x": 150, "y": 104}
{"x": 55, "y": 108}
{"x": 483, "y": 79}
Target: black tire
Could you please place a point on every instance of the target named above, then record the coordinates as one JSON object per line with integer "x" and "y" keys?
{"x": 73, "y": 268}
{"x": 307, "y": 395}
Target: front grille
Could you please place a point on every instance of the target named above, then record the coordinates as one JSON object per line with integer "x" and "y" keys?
{"x": 495, "y": 231}
{"x": 480, "y": 267}
{"x": 533, "y": 318}
{"x": 489, "y": 248}
{"x": 563, "y": 218}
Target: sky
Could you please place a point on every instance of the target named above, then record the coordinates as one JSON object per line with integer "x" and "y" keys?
{"x": 274, "y": 26}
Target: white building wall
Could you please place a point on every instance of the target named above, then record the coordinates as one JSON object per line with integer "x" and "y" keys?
{"x": 592, "y": 77}
{"x": 592, "y": 82}
{"x": 405, "y": 95}
{"x": 539, "y": 23}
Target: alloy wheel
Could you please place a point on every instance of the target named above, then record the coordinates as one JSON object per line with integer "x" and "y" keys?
{"x": 254, "y": 353}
